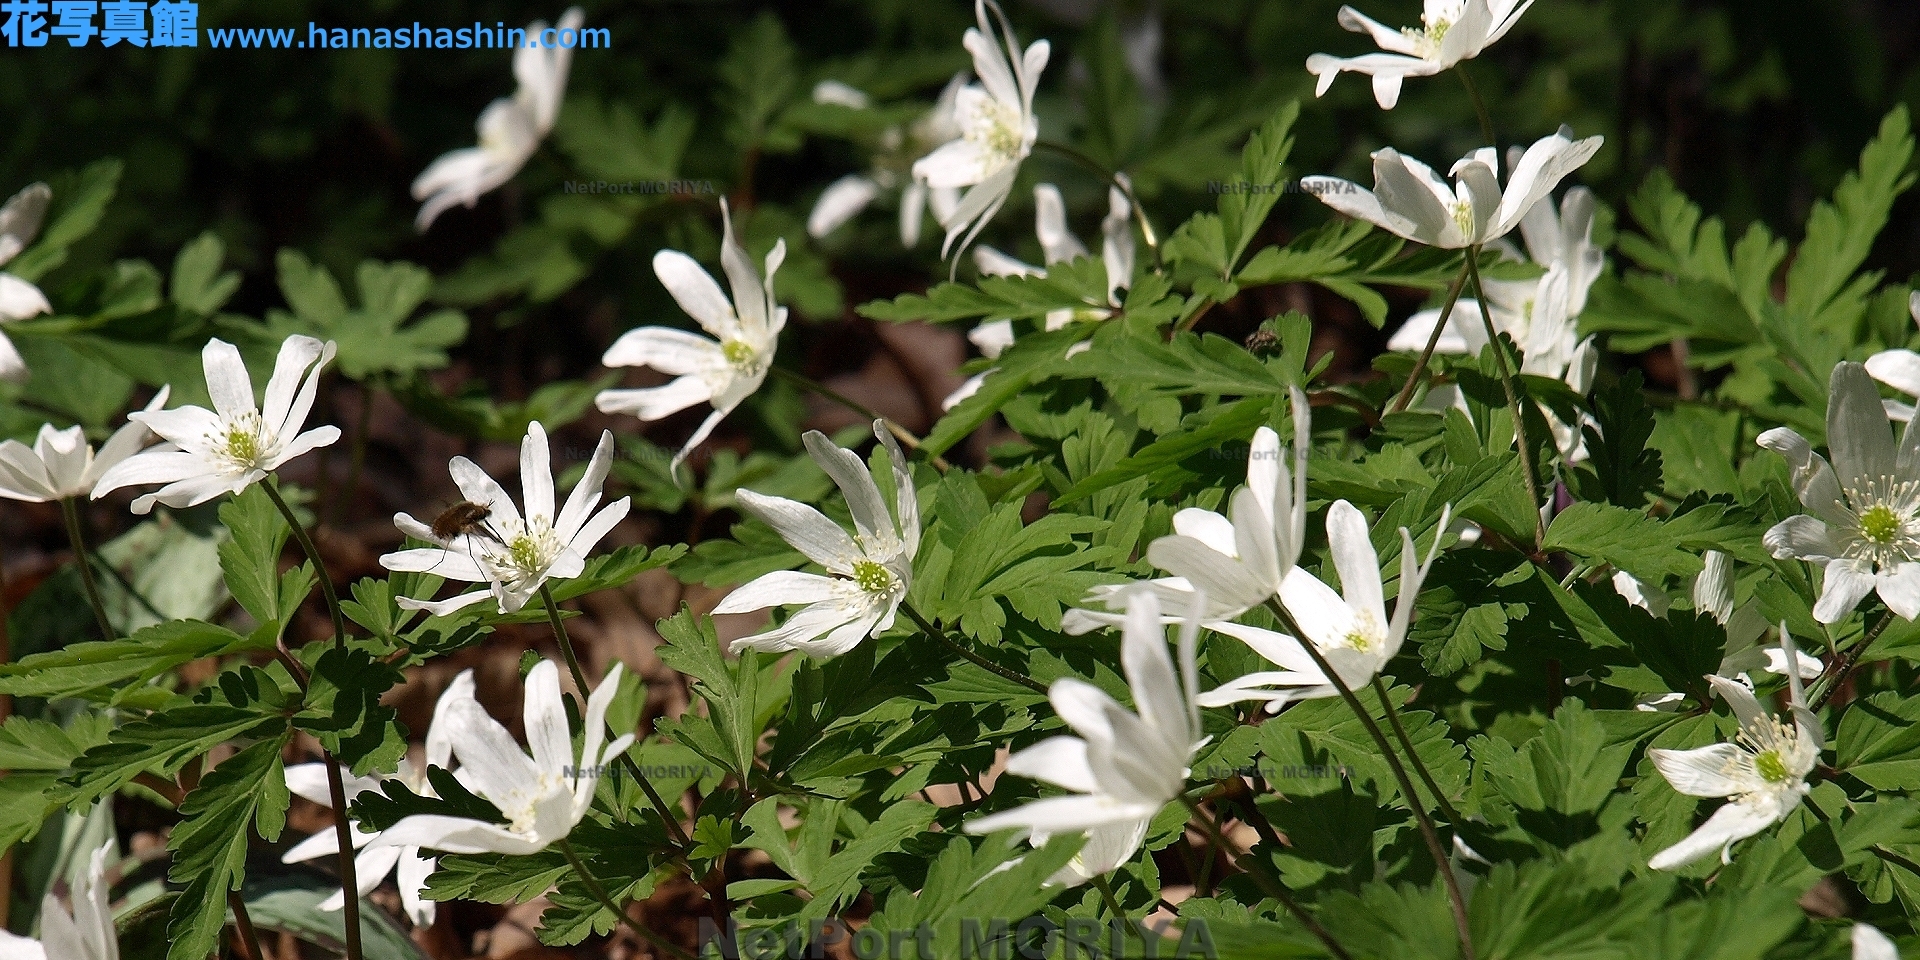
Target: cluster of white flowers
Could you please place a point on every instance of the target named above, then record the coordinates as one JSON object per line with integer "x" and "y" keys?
{"x": 1122, "y": 766}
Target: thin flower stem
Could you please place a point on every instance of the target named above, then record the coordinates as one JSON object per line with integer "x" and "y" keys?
{"x": 244, "y": 923}
{"x": 1267, "y": 884}
{"x": 343, "y": 839}
{"x": 336, "y": 783}
{"x": 1426, "y": 353}
{"x": 1406, "y": 743}
{"x": 1113, "y": 905}
{"x": 1851, "y": 660}
{"x": 1479, "y": 105}
{"x": 900, "y": 433}
{"x": 1147, "y": 233}
{"x": 580, "y": 684}
{"x": 1427, "y": 832}
{"x": 976, "y": 659}
{"x": 319, "y": 565}
{"x": 1513, "y": 402}
{"x": 71, "y": 511}
{"x": 600, "y": 893}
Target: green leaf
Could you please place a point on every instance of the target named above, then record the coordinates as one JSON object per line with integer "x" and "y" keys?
{"x": 1620, "y": 469}
{"x": 161, "y": 743}
{"x": 36, "y": 754}
{"x": 1623, "y": 538}
{"x": 374, "y": 339}
{"x": 616, "y": 569}
{"x": 1310, "y": 733}
{"x": 1879, "y": 741}
{"x": 251, "y": 560}
{"x": 729, "y": 733}
{"x": 210, "y": 846}
{"x": 90, "y": 669}
{"x": 1560, "y": 784}
{"x": 198, "y": 286}
{"x": 1840, "y": 234}
{"x": 344, "y": 711}
{"x": 758, "y": 77}
{"x": 79, "y": 201}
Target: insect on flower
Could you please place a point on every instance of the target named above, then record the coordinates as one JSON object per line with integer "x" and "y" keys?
{"x": 464, "y": 518}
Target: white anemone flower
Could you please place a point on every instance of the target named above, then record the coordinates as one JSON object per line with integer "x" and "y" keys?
{"x": 1238, "y": 563}
{"x": 510, "y": 129}
{"x": 870, "y": 571}
{"x": 1899, "y": 369}
{"x": 892, "y": 167}
{"x": 235, "y": 445}
{"x": 1410, "y": 200}
{"x": 1870, "y": 944}
{"x": 1745, "y": 625}
{"x": 373, "y": 863}
{"x": 85, "y": 934}
{"x": 19, "y": 224}
{"x": 1764, "y": 770}
{"x": 1450, "y": 31}
{"x": 996, "y": 123}
{"x": 543, "y": 796}
{"x": 512, "y": 552}
{"x": 1124, "y": 766}
{"x": 1862, "y": 523}
{"x": 61, "y": 464}
{"x": 1059, "y": 246}
{"x": 721, "y": 371}
{"x": 1350, "y": 629}
{"x": 1541, "y": 315}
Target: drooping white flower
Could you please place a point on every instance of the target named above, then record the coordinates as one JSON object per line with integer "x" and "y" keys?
{"x": 996, "y": 123}
{"x": 721, "y": 371}
{"x": 1450, "y": 31}
{"x": 1059, "y": 245}
{"x": 1713, "y": 594}
{"x": 1410, "y": 200}
{"x": 1350, "y": 629}
{"x": 513, "y": 553}
{"x": 61, "y": 464}
{"x": 1239, "y": 563}
{"x": 1899, "y": 369}
{"x": 1125, "y": 766}
{"x": 19, "y": 224}
{"x": 1764, "y": 771}
{"x": 1862, "y": 523}
{"x": 1870, "y": 944}
{"x": 869, "y": 571}
{"x": 235, "y": 445}
{"x": 510, "y": 129}
{"x": 85, "y": 934}
{"x": 892, "y": 167}
{"x": 543, "y": 796}
{"x": 372, "y": 864}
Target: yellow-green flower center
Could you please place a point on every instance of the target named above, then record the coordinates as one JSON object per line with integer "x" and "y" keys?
{"x": 1880, "y": 524}
{"x": 871, "y": 576}
{"x": 738, "y": 353}
{"x": 1463, "y": 218}
{"x": 242, "y": 445}
{"x": 1359, "y": 640}
{"x": 524, "y": 552}
{"x": 1771, "y": 767}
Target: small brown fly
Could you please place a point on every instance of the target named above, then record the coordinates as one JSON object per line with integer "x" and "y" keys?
{"x": 464, "y": 517}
